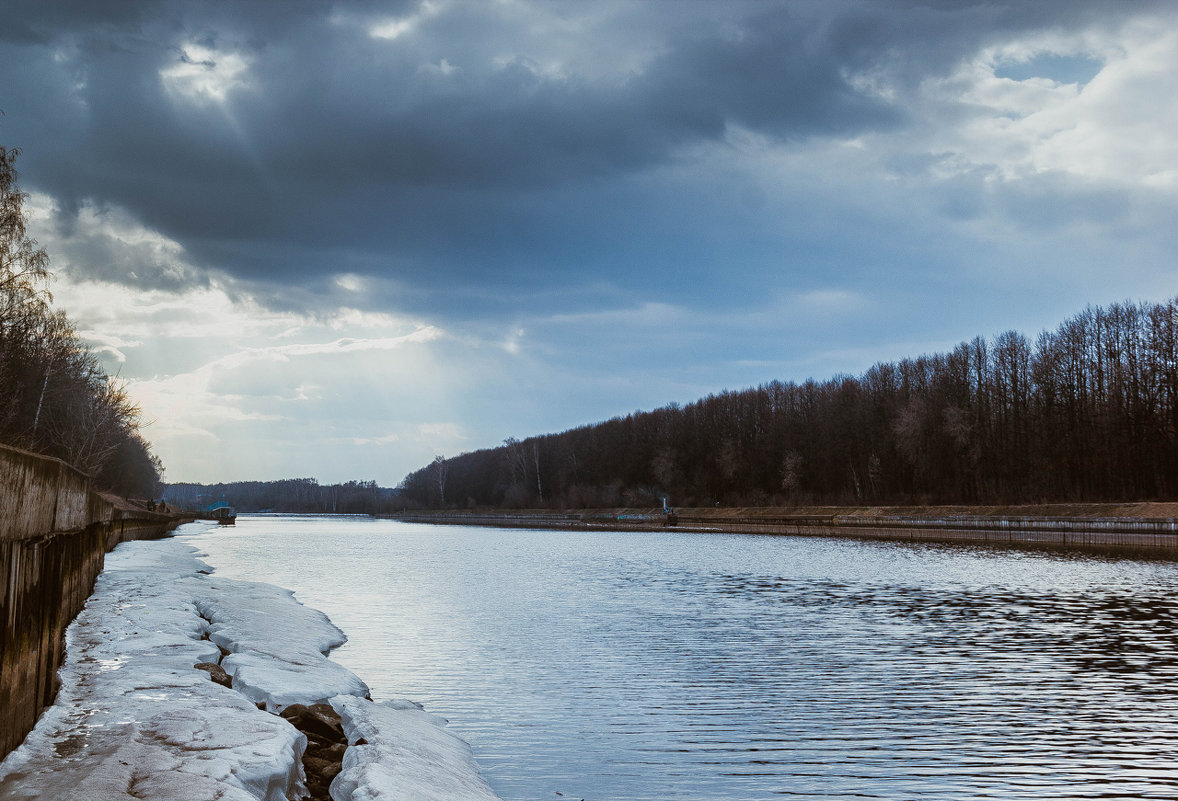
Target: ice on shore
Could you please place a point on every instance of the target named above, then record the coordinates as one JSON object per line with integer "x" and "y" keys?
{"x": 276, "y": 644}
{"x": 405, "y": 755}
{"x": 134, "y": 719}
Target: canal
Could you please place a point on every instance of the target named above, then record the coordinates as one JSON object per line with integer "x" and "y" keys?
{"x": 614, "y": 666}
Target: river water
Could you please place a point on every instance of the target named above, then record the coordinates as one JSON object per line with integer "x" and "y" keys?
{"x": 613, "y": 666}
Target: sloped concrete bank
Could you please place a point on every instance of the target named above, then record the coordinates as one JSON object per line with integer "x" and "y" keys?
{"x": 54, "y": 533}
{"x": 1145, "y": 526}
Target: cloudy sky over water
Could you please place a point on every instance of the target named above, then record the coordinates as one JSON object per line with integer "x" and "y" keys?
{"x": 334, "y": 239}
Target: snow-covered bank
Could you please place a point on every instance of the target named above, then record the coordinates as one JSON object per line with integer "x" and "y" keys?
{"x": 135, "y": 719}
{"x": 276, "y": 645}
{"x": 406, "y": 754}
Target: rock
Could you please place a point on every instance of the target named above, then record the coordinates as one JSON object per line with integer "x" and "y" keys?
{"x": 317, "y": 766}
{"x": 216, "y": 673}
{"x": 319, "y": 774}
{"x": 325, "y": 721}
{"x": 319, "y": 722}
{"x": 327, "y": 713}
{"x": 326, "y": 743}
{"x": 316, "y": 743}
{"x": 294, "y": 712}
{"x": 335, "y": 752}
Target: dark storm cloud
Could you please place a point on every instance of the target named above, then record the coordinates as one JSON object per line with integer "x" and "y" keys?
{"x": 41, "y": 22}
{"x": 434, "y": 156}
{"x": 47, "y": 22}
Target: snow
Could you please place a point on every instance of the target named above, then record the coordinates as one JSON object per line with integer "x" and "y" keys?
{"x": 135, "y": 719}
{"x": 407, "y": 756}
{"x": 277, "y": 645}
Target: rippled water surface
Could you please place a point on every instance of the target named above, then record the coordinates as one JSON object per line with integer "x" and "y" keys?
{"x": 620, "y": 666}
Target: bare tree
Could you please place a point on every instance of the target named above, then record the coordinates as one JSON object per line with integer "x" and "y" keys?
{"x": 54, "y": 396}
{"x": 1086, "y": 412}
{"x": 440, "y": 469}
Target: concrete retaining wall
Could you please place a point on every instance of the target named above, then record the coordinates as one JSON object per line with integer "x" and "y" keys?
{"x": 54, "y": 533}
{"x": 39, "y": 496}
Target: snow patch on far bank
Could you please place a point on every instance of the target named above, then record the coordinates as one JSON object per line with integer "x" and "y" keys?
{"x": 404, "y": 755}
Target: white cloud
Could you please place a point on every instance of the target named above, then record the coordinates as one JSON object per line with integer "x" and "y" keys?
{"x": 443, "y": 68}
{"x": 392, "y": 28}
{"x": 387, "y": 439}
{"x": 258, "y": 395}
{"x": 350, "y": 282}
{"x": 205, "y": 74}
{"x": 334, "y": 347}
{"x": 108, "y": 243}
{"x": 234, "y": 389}
{"x": 1114, "y": 129}
{"x": 648, "y": 314}
{"x": 442, "y": 433}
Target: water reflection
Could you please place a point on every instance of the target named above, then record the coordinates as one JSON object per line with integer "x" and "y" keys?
{"x": 632, "y": 667}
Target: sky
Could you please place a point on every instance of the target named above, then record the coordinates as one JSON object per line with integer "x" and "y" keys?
{"x": 336, "y": 239}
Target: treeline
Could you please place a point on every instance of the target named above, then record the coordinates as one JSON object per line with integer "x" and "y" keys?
{"x": 302, "y": 495}
{"x": 1088, "y": 412}
{"x": 55, "y": 399}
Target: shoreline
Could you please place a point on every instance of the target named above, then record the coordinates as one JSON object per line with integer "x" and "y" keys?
{"x": 141, "y": 713}
{"x": 54, "y": 535}
{"x": 1139, "y": 527}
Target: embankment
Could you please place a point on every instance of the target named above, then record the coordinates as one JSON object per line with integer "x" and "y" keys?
{"x": 54, "y": 533}
{"x": 1152, "y": 526}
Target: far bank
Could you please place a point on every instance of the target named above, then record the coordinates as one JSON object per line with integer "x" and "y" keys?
{"x": 1146, "y": 525}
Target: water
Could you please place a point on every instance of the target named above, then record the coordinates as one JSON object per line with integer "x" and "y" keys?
{"x": 648, "y": 666}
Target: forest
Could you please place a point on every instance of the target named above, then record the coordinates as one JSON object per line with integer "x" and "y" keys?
{"x": 1087, "y": 412}
{"x": 301, "y": 495}
{"x": 55, "y": 398}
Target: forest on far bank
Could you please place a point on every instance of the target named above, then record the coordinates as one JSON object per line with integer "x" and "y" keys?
{"x": 55, "y": 398}
{"x": 299, "y": 495}
{"x": 1087, "y": 412}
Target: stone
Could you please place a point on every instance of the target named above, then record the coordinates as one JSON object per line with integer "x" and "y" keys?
{"x": 216, "y": 673}
{"x": 294, "y": 712}
{"x": 319, "y": 722}
{"x": 335, "y": 752}
{"x": 317, "y": 766}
